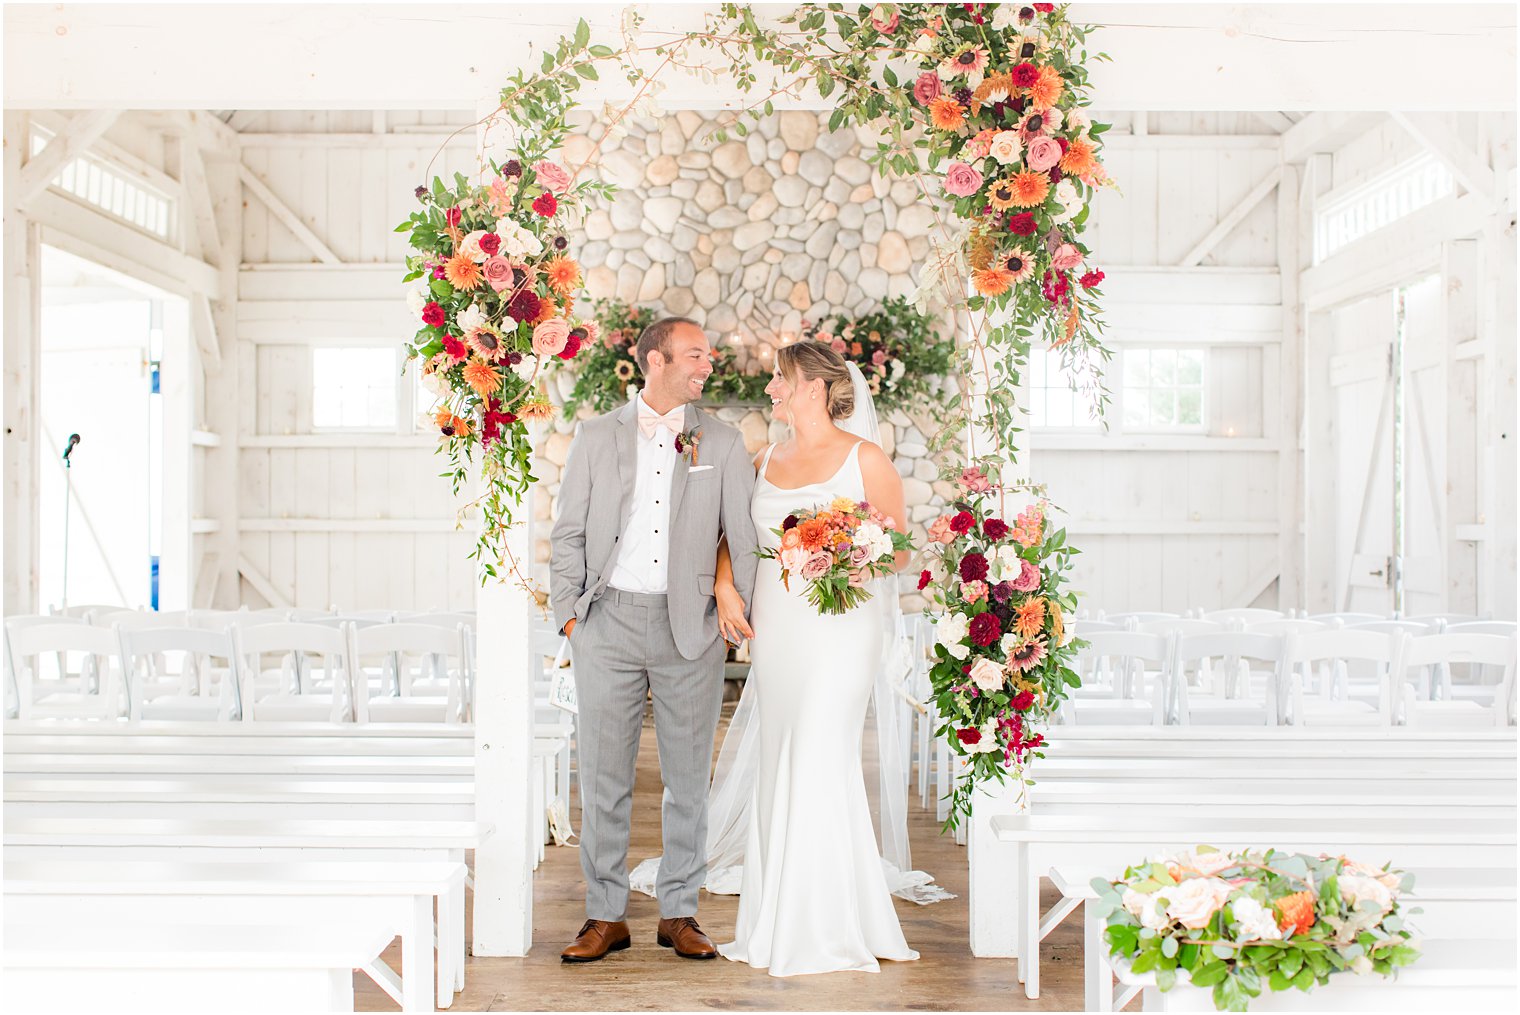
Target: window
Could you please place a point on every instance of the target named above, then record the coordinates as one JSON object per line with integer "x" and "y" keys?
{"x": 1053, "y": 405}
{"x": 101, "y": 183}
{"x": 1378, "y": 202}
{"x": 354, "y": 388}
{"x": 1163, "y": 389}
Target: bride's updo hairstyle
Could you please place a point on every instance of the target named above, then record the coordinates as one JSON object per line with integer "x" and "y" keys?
{"x": 811, "y": 361}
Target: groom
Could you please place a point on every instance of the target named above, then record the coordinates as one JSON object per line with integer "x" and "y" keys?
{"x": 647, "y": 493}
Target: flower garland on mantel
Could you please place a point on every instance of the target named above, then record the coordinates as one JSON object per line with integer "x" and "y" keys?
{"x": 984, "y": 106}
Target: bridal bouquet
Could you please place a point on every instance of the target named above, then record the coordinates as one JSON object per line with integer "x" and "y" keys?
{"x": 1238, "y": 922}
{"x": 836, "y": 549}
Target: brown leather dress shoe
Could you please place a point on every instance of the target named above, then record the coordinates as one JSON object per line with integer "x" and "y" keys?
{"x": 683, "y": 934}
{"x": 596, "y": 939}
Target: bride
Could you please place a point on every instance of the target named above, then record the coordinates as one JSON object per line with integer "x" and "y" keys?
{"x": 814, "y": 895}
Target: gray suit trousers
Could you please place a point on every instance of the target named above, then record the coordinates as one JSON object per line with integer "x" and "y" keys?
{"x": 624, "y": 649}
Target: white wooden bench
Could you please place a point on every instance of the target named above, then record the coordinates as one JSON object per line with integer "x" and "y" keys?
{"x": 1451, "y": 900}
{"x": 133, "y": 896}
{"x": 1451, "y": 975}
{"x": 84, "y": 969}
{"x": 1091, "y": 837}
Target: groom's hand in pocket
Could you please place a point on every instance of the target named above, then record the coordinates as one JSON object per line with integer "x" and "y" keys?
{"x": 731, "y": 622}
{"x": 569, "y": 626}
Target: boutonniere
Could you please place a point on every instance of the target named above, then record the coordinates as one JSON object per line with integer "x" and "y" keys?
{"x": 686, "y": 443}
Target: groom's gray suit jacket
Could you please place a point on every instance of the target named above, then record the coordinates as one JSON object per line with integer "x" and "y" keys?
{"x": 707, "y": 501}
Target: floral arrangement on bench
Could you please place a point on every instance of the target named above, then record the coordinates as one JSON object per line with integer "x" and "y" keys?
{"x": 1245, "y": 922}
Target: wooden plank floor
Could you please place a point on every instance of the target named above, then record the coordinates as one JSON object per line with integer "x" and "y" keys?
{"x": 650, "y": 978}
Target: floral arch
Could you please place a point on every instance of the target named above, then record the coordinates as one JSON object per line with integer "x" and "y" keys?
{"x": 983, "y": 107}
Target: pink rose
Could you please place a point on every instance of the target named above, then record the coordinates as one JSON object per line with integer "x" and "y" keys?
{"x": 859, "y": 555}
{"x": 879, "y": 357}
{"x": 974, "y": 591}
{"x": 883, "y": 24}
{"x": 838, "y": 346}
{"x": 928, "y": 87}
{"x": 975, "y": 481}
{"x": 498, "y": 272}
{"x": 1066, "y": 257}
{"x": 1042, "y": 153}
{"x": 1028, "y": 579}
{"x": 940, "y": 531}
{"x": 987, "y": 675}
{"x": 793, "y": 558}
{"x": 817, "y": 565}
{"x": 549, "y": 338}
{"x": 552, "y": 176}
{"x": 961, "y": 180}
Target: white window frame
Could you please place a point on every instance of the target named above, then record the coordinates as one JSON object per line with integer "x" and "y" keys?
{"x": 1358, "y": 210}
{"x": 113, "y": 190}
{"x": 1121, "y": 390}
{"x": 1052, "y": 358}
{"x": 404, "y": 422}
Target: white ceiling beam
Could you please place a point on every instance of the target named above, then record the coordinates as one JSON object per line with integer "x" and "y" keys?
{"x": 1236, "y": 216}
{"x": 336, "y": 56}
{"x": 1275, "y": 121}
{"x": 66, "y": 146}
{"x": 81, "y": 230}
{"x": 242, "y": 119}
{"x": 1470, "y": 170}
{"x": 1321, "y": 133}
{"x": 282, "y": 211}
{"x": 197, "y": 195}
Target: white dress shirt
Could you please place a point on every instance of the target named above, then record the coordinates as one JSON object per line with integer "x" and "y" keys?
{"x": 643, "y": 560}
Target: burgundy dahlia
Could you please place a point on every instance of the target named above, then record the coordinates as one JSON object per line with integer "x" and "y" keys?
{"x": 524, "y": 306}
{"x": 962, "y": 523}
{"x": 994, "y": 529}
{"x": 985, "y": 629}
{"x": 973, "y": 567}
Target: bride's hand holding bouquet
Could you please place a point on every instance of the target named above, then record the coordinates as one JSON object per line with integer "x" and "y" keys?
{"x": 837, "y": 549}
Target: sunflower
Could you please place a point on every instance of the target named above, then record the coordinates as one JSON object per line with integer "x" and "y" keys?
{"x": 1002, "y": 196}
{"x": 991, "y": 281}
{"x": 624, "y": 370}
{"x": 481, "y": 377}
{"x": 1034, "y": 123}
{"x": 1079, "y": 160}
{"x": 1018, "y": 264}
{"x": 1047, "y": 89}
{"x": 1026, "y": 656}
{"x": 968, "y": 61}
{"x": 462, "y": 272}
{"x": 1029, "y": 189}
{"x": 946, "y": 113}
{"x": 1027, "y": 45}
{"x": 487, "y": 343}
{"x": 564, "y": 275}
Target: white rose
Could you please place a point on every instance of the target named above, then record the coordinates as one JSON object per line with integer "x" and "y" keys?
{"x": 1361, "y": 965}
{"x": 897, "y": 370}
{"x": 988, "y": 744}
{"x": 470, "y": 246}
{"x": 1195, "y": 900}
{"x": 1203, "y": 863}
{"x": 435, "y": 385}
{"x": 1357, "y": 888}
{"x": 1255, "y": 921}
{"x": 1069, "y": 200}
{"x": 1006, "y": 147}
{"x": 868, "y": 534}
{"x": 416, "y": 299}
{"x": 517, "y": 241}
{"x": 1008, "y": 561}
{"x": 951, "y": 631}
{"x": 1008, "y": 643}
{"x": 525, "y": 368}
{"x": 1006, "y": 16}
{"x": 1078, "y": 121}
{"x": 1143, "y": 908}
{"x": 986, "y": 674}
{"x": 471, "y": 318}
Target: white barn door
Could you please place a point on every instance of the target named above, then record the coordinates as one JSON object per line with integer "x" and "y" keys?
{"x": 1362, "y": 413}
{"x": 1423, "y": 502}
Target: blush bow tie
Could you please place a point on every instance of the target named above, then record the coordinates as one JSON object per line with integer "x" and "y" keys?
{"x": 649, "y": 423}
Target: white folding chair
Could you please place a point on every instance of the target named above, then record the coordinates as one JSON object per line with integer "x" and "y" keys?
{"x": 1345, "y": 619}
{"x": 418, "y": 668}
{"x": 1131, "y": 621}
{"x": 296, "y": 687}
{"x": 1340, "y": 677}
{"x": 1234, "y": 695}
{"x": 1434, "y": 652}
{"x": 64, "y": 669}
{"x": 1137, "y": 668}
{"x": 1287, "y": 626}
{"x": 203, "y": 687}
{"x": 1239, "y": 618}
{"x": 86, "y": 611}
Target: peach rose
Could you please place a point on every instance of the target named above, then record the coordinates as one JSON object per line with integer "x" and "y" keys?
{"x": 551, "y": 176}
{"x": 549, "y": 338}
{"x": 498, "y": 273}
{"x": 1006, "y": 147}
{"x": 986, "y": 674}
{"x": 1042, "y": 153}
{"x": 1194, "y": 901}
{"x": 961, "y": 180}
{"x": 940, "y": 531}
{"x": 1066, "y": 257}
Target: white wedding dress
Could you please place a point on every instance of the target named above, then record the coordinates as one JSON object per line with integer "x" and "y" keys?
{"x": 815, "y": 895}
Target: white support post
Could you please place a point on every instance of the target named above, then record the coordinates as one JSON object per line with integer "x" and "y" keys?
{"x": 287, "y": 217}
{"x": 19, "y": 401}
{"x": 1316, "y": 428}
{"x": 223, "y": 397}
{"x": 503, "y": 915}
{"x": 1290, "y": 390}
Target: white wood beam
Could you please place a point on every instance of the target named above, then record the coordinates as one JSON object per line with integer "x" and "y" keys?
{"x": 1274, "y": 121}
{"x": 242, "y": 119}
{"x": 68, "y": 144}
{"x": 1325, "y": 132}
{"x": 203, "y": 327}
{"x": 196, "y": 194}
{"x": 1226, "y": 225}
{"x": 263, "y": 586}
{"x": 289, "y": 218}
{"x": 1244, "y": 57}
{"x": 1469, "y": 168}
{"x": 20, "y": 354}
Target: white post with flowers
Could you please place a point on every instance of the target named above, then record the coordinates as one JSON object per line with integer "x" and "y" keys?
{"x": 993, "y": 895}
{"x": 503, "y": 919}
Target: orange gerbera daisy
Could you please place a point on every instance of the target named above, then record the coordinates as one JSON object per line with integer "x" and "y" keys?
{"x": 1295, "y": 913}
{"x": 812, "y": 533}
{"x": 462, "y": 272}
{"x": 536, "y": 408}
{"x": 946, "y": 113}
{"x": 564, "y": 275}
{"x": 481, "y": 377}
{"x": 991, "y": 281}
{"x": 546, "y": 310}
{"x": 451, "y": 425}
{"x": 1030, "y": 617}
{"x": 1046, "y": 89}
{"x": 1079, "y": 159}
{"x": 1001, "y": 195}
{"x": 1029, "y": 189}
